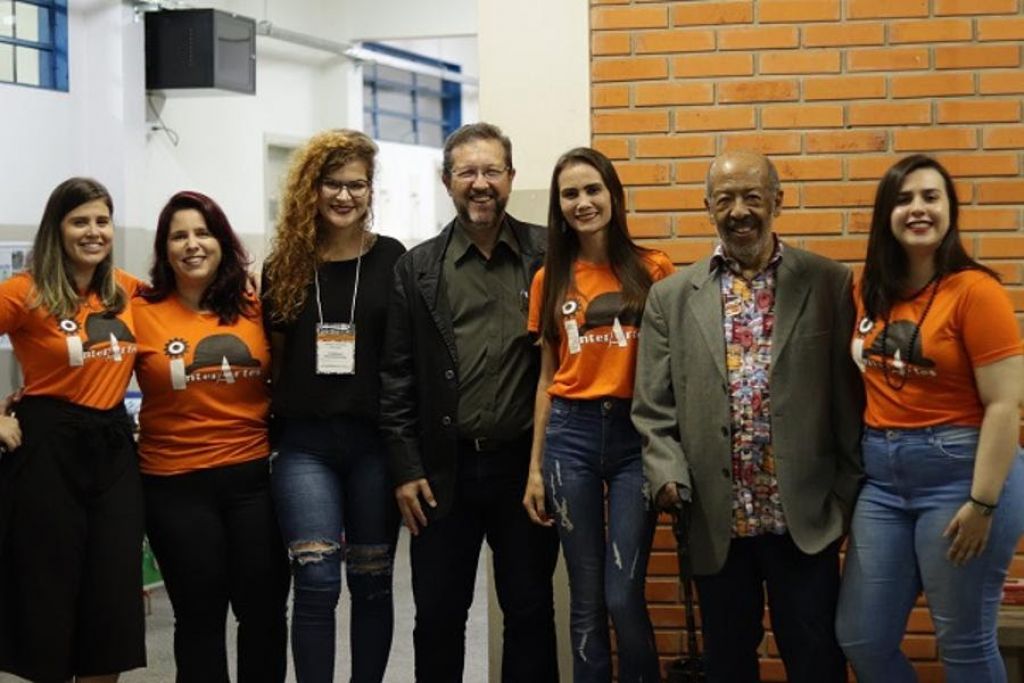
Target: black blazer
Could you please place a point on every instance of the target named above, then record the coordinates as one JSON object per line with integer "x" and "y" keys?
{"x": 419, "y": 364}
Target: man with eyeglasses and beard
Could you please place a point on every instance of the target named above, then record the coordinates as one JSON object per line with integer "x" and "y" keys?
{"x": 749, "y": 406}
{"x": 458, "y": 376}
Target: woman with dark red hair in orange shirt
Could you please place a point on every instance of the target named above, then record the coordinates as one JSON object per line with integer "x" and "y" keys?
{"x": 203, "y": 365}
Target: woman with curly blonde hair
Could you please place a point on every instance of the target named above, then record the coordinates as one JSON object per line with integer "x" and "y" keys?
{"x": 326, "y": 285}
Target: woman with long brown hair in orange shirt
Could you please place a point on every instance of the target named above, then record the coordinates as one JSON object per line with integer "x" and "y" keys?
{"x": 70, "y": 499}
{"x": 942, "y": 508}
{"x": 585, "y": 306}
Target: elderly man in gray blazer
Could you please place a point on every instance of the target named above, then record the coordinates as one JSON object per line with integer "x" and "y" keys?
{"x": 750, "y": 406}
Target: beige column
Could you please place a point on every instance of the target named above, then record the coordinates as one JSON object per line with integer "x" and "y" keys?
{"x": 535, "y": 84}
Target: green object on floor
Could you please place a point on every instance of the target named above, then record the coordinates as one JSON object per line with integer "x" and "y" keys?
{"x": 151, "y": 577}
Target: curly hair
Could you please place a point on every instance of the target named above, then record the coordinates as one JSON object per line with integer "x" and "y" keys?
{"x": 294, "y": 254}
{"x": 227, "y": 295}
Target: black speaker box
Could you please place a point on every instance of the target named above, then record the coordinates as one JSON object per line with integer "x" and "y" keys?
{"x": 199, "y": 49}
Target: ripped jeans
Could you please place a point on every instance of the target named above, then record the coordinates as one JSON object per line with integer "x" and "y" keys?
{"x": 591, "y": 447}
{"x": 335, "y": 501}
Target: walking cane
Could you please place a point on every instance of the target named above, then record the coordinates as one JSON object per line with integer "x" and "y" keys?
{"x": 688, "y": 669}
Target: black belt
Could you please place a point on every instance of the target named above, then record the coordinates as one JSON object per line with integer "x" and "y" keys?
{"x": 485, "y": 444}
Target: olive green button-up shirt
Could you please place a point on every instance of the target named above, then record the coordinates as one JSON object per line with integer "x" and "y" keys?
{"x": 488, "y": 303}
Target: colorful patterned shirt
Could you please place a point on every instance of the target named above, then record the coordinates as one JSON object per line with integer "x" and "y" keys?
{"x": 748, "y": 318}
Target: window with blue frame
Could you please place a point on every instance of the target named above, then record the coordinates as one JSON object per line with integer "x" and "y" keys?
{"x": 34, "y": 43}
{"x": 410, "y": 107}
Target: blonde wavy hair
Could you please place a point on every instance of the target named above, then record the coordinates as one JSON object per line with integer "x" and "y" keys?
{"x": 294, "y": 253}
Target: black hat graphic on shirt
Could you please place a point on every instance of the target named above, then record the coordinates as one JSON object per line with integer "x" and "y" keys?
{"x": 213, "y": 350}
{"x": 99, "y": 327}
{"x": 896, "y": 339}
{"x": 601, "y": 312}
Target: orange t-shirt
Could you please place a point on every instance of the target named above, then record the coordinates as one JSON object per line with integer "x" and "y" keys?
{"x": 970, "y": 324}
{"x": 205, "y": 400}
{"x": 86, "y": 359}
{"x": 606, "y": 362}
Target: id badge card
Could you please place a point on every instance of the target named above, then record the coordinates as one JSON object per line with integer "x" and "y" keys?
{"x": 572, "y": 328}
{"x": 572, "y": 334}
{"x": 335, "y": 348}
{"x": 76, "y": 355}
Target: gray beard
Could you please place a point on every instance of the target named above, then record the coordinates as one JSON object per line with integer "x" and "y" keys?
{"x": 748, "y": 255}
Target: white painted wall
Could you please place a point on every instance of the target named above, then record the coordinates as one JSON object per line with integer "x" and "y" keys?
{"x": 221, "y": 145}
{"x": 221, "y": 137}
{"x": 99, "y": 128}
{"x": 410, "y": 202}
{"x": 48, "y": 136}
{"x": 387, "y": 19}
{"x": 535, "y": 80}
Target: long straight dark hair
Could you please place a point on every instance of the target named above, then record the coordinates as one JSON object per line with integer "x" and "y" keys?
{"x": 624, "y": 256}
{"x": 231, "y": 293}
{"x": 885, "y": 267}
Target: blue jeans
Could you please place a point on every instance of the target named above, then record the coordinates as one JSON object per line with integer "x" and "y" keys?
{"x": 334, "y": 497}
{"x": 591, "y": 446}
{"x": 917, "y": 479}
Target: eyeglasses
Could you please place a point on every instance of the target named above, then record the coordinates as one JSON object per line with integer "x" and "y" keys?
{"x": 356, "y": 188}
{"x": 469, "y": 174}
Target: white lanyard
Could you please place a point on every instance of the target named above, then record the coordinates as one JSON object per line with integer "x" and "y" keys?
{"x": 336, "y": 342}
{"x": 355, "y": 287}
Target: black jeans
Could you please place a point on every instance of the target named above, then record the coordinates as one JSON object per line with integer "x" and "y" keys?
{"x": 802, "y": 594}
{"x": 488, "y": 503}
{"x": 216, "y": 539}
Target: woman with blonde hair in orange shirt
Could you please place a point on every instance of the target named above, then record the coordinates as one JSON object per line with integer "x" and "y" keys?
{"x": 70, "y": 499}
{"x": 203, "y": 448}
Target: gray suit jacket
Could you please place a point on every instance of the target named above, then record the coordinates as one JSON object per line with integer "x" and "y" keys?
{"x": 681, "y": 401}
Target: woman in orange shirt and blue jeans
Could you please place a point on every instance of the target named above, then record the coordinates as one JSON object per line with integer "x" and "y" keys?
{"x": 586, "y": 305}
{"x": 942, "y": 508}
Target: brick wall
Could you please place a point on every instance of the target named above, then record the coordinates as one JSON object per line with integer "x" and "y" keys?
{"x": 834, "y": 91}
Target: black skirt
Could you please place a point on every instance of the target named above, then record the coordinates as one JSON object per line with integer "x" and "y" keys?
{"x": 71, "y": 527}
